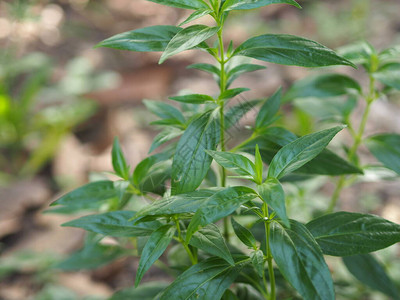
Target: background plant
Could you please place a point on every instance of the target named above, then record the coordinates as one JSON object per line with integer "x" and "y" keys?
{"x": 185, "y": 215}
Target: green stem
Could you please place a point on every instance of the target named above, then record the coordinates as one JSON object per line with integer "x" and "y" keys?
{"x": 192, "y": 258}
{"x": 358, "y": 137}
{"x": 244, "y": 143}
{"x": 267, "y": 224}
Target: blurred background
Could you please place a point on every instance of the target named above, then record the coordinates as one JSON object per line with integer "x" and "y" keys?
{"x": 62, "y": 102}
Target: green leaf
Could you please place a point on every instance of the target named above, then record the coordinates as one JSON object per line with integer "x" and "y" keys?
{"x": 389, "y": 75}
{"x": 257, "y": 259}
{"x": 271, "y": 192}
{"x": 146, "y": 291}
{"x": 144, "y": 167}
{"x": 390, "y": 53}
{"x": 345, "y": 233}
{"x": 164, "y": 136}
{"x": 358, "y": 53}
{"x": 323, "y": 86}
{"x": 178, "y": 204}
{"x": 187, "y": 4}
{"x": 118, "y": 160}
{"x": 209, "y": 239}
{"x": 235, "y": 113}
{"x": 153, "y": 38}
{"x": 206, "y": 68}
{"x": 259, "y": 166}
{"x": 289, "y": 50}
{"x": 164, "y": 110}
{"x": 386, "y": 148}
{"x": 297, "y": 153}
{"x": 228, "y": 94}
{"x": 93, "y": 192}
{"x": 220, "y": 205}
{"x": 237, "y": 163}
{"x": 187, "y": 38}
{"x": 115, "y": 223}
{"x": 91, "y": 257}
{"x": 370, "y": 272}
{"x": 193, "y": 98}
{"x": 236, "y": 71}
{"x": 301, "y": 261}
{"x": 250, "y": 4}
{"x": 191, "y": 162}
{"x": 196, "y": 15}
{"x": 206, "y": 280}
{"x": 244, "y": 234}
{"x": 154, "y": 248}
{"x": 268, "y": 110}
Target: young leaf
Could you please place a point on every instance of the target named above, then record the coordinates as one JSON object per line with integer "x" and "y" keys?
{"x": 164, "y": 110}
{"x": 244, "y": 234}
{"x": 209, "y": 239}
{"x": 154, "y": 248}
{"x": 92, "y": 192}
{"x": 206, "y": 280}
{"x": 228, "y": 94}
{"x": 153, "y": 38}
{"x": 250, "y": 4}
{"x": 115, "y": 223}
{"x": 206, "y": 68}
{"x": 323, "y": 86}
{"x": 271, "y": 192}
{"x": 191, "y": 162}
{"x": 389, "y": 75}
{"x": 193, "y": 98}
{"x": 196, "y": 15}
{"x": 240, "y": 69}
{"x": 146, "y": 291}
{"x": 257, "y": 259}
{"x": 370, "y": 272}
{"x": 118, "y": 161}
{"x": 386, "y": 148}
{"x": 237, "y": 163}
{"x": 164, "y": 136}
{"x": 290, "y": 50}
{"x": 187, "y": 38}
{"x": 269, "y": 110}
{"x": 220, "y": 205}
{"x": 178, "y": 204}
{"x": 301, "y": 261}
{"x": 187, "y": 4}
{"x": 259, "y": 166}
{"x": 297, "y": 153}
{"x": 345, "y": 233}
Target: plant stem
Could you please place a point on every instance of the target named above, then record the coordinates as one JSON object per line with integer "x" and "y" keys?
{"x": 358, "y": 137}
{"x": 267, "y": 224}
{"x": 245, "y": 142}
{"x": 192, "y": 258}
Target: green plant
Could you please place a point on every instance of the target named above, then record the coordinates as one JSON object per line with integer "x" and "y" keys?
{"x": 256, "y": 251}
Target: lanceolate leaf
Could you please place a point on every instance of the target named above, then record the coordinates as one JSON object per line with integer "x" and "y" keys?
{"x": 290, "y": 50}
{"x": 206, "y": 68}
{"x": 269, "y": 109}
{"x": 187, "y": 38}
{"x": 144, "y": 168}
{"x": 193, "y": 98}
{"x": 197, "y": 14}
{"x": 118, "y": 161}
{"x": 153, "y": 38}
{"x": 206, "y": 280}
{"x": 301, "y": 261}
{"x": 257, "y": 259}
{"x": 228, "y": 94}
{"x": 115, "y": 223}
{"x": 178, "y": 204}
{"x": 164, "y": 136}
{"x": 164, "y": 110}
{"x": 250, "y": 4}
{"x": 90, "y": 193}
{"x": 370, "y": 272}
{"x": 297, "y": 153}
{"x": 188, "y": 4}
{"x": 386, "y": 148}
{"x": 271, "y": 192}
{"x": 146, "y": 291}
{"x": 154, "y": 248}
{"x": 219, "y": 205}
{"x": 209, "y": 239}
{"x": 235, "y": 72}
{"x": 323, "y": 86}
{"x": 237, "y": 163}
{"x": 345, "y": 233}
{"x": 244, "y": 234}
{"x": 389, "y": 75}
{"x": 358, "y": 53}
{"x": 191, "y": 162}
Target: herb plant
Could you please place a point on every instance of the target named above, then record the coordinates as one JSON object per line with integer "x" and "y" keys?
{"x": 236, "y": 240}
